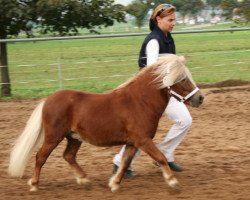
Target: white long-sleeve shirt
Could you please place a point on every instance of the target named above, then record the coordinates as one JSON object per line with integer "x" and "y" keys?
{"x": 152, "y": 51}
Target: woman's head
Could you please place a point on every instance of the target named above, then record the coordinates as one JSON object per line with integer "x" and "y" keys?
{"x": 163, "y": 17}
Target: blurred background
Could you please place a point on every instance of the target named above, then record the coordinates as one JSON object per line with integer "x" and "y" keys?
{"x": 212, "y": 34}
{"x": 195, "y": 12}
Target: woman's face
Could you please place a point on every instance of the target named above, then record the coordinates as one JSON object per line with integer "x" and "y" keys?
{"x": 166, "y": 24}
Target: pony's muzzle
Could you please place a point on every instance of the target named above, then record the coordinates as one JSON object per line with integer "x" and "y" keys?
{"x": 197, "y": 99}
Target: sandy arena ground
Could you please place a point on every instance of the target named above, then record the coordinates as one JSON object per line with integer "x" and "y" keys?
{"x": 215, "y": 155}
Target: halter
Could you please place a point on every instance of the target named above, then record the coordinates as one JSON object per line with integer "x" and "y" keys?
{"x": 181, "y": 98}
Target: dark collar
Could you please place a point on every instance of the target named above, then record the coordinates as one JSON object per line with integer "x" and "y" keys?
{"x": 159, "y": 32}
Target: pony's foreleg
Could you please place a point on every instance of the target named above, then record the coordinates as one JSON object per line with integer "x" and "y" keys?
{"x": 150, "y": 148}
{"x": 70, "y": 156}
{"x": 114, "y": 182}
{"x": 41, "y": 158}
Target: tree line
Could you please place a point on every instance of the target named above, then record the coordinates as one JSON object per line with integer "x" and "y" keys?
{"x": 140, "y": 8}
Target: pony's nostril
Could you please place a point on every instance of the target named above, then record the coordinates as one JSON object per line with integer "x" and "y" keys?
{"x": 201, "y": 98}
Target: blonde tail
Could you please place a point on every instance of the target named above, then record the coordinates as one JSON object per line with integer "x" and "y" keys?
{"x": 26, "y": 143}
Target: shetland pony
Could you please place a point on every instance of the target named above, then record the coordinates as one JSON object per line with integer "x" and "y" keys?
{"x": 127, "y": 115}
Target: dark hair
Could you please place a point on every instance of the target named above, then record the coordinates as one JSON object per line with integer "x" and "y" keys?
{"x": 151, "y": 24}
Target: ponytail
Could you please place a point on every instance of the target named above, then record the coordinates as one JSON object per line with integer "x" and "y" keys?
{"x": 151, "y": 24}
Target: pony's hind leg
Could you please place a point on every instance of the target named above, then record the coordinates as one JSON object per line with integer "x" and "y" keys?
{"x": 41, "y": 158}
{"x": 114, "y": 182}
{"x": 150, "y": 148}
{"x": 70, "y": 156}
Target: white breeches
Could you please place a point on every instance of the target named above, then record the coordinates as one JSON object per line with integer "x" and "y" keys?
{"x": 179, "y": 114}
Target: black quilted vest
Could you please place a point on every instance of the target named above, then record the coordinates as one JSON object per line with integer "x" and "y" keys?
{"x": 166, "y": 44}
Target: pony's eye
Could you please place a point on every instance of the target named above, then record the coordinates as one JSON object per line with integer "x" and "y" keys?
{"x": 183, "y": 80}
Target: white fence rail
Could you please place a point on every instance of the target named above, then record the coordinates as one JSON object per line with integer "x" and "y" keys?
{"x": 117, "y": 35}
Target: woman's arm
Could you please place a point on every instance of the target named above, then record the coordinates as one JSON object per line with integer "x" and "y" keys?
{"x": 152, "y": 51}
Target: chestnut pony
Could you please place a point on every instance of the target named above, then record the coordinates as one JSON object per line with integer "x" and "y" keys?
{"x": 127, "y": 115}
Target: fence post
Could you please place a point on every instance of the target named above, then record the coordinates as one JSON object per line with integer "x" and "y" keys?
{"x": 6, "y": 89}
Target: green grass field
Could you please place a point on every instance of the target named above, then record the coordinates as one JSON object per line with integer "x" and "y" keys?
{"x": 97, "y": 65}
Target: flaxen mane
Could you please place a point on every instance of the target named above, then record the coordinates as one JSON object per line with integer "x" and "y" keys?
{"x": 168, "y": 70}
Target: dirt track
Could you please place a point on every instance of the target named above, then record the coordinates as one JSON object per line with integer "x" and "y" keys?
{"x": 215, "y": 155}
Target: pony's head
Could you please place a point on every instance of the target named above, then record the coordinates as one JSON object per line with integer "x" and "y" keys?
{"x": 173, "y": 75}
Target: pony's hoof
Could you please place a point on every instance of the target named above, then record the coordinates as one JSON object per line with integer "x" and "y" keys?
{"x": 173, "y": 183}
{"x": 33, "y": 188}
{"x": 114, "y": 188}
{"x": 83, "y": 181}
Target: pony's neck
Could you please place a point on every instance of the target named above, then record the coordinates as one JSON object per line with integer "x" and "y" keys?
{"x": 145, "y": 90}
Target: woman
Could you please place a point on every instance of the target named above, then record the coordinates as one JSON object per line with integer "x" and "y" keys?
{"x": 160, "y": 41}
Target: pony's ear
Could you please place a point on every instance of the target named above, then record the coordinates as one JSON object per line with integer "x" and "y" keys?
{"x": 167, "y": 81}
{"x": 182, "y": 59}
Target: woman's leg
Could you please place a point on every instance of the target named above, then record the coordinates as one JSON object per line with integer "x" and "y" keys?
{"x": 179, "y": 114}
